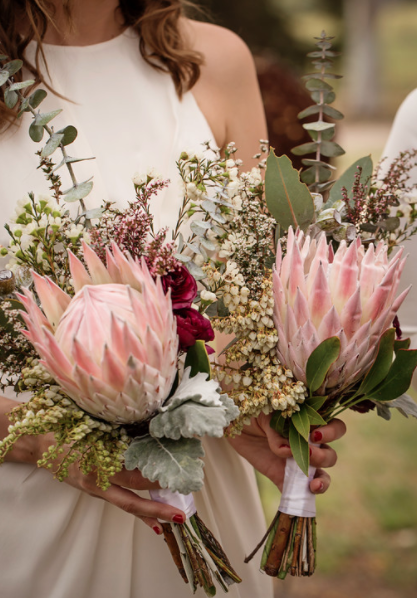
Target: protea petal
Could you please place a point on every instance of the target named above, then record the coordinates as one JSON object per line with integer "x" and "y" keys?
{"x": 54, "y": 300}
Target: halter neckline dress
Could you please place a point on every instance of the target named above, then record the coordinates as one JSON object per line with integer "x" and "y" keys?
{"x": 55, "y": 541}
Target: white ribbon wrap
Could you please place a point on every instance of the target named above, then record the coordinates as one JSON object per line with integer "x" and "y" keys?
{"x": 297, "y": 498}
{"x": 185, "y": 502}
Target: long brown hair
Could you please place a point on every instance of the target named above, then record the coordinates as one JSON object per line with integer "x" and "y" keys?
{"x": 156, "y": 21}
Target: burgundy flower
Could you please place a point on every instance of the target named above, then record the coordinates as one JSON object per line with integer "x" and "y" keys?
{"x": 191, "y": 327}
{"x": 183, "y": 287}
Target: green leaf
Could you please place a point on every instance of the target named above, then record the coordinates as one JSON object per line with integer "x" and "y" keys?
{"x": 401, "y": 344}
{"x": 300, "y": 449}
{"x": 316, "y": 402}
{"x": 69, "y": 160}
{"x": 315, "y": 418}
{"x": 348, "y": 177}
{"x": 305, "y": 148}
{"x": 78, "y": 192}
{"x": 93, "y": 213}
{"x": 37, "y": 97}
{"x": 44, "y": 119}
{"x": 390, "y": 224}
{"x": 192, "y": 418}
{"x": 330, "y": 149}
{"x": 51, "y": 145}
{"x": 197, "y": 359}
{"x": 319, "y": 362}
{"x": 21, "y": 85}
{"x": 301, "y": 421}
{"x": 175, "y": 464}
{"x": 310, "y": 111}
{"x": 13, "y": 66}
{"x": 287, "y": 198}
{"x": 69, "y": 134}
{"x": 4, "y": 75}
{"x": 314, "y": 84}
{"x": 325, "y": 135}
{"x": 36, "y": 133}
{"x": 332, "y": 112}
{"x": 318, "y": 126}
{"x": 10, "y": 98}
{"x": 196, "y": 271}
{"x": 308, "y": 176}
{"x": 280, "y": 424}
{"x": 382, "y": 363}
{"x": 398, "y": 380}
{"x": 328, "y": 97}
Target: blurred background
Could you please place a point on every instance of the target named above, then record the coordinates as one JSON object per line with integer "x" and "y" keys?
{"x": 367, "y": 521}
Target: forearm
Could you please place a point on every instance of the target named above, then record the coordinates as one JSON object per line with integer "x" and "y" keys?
{"x": 26, "y": 449}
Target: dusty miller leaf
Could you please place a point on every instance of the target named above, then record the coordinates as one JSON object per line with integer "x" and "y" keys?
{"x": 175, "y": 464}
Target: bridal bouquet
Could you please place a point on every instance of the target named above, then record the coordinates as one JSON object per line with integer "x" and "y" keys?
{"x": 98, "y": 324}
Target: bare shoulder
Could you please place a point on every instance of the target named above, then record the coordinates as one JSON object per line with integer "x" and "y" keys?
{"x": 226, "y": 56}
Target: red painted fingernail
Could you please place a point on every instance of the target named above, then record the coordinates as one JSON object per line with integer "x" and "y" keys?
{"x": 317, "y": 436}
{"x": 178, "y": 519}
{"x": 157, "y": 530}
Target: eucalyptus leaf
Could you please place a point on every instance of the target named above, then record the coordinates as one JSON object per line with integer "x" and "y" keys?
{"x": 93, "y": 213}
{"x": 308, "y": 176}
{"x": 69, "y": 160}
{"x": 311, "y": 162}
{"x": 218, "y": 218}
{"x": 21, "y": 85}
{"x": 211, "y": 310}
{"x": 182, "y": 258}
{"x": 208, "y": 205}
{"x": 37, "y": 97}
{"x": 319, "y": 362}
{"x": 301, "y": 422}
{"x": 310, "y": 111}
{"x": 325, "y": 135}
{"x": 4, "y": 75}
{"x": 398, "y": 379}
{"x": 404, "y": 404}
{"x": 175, "y": 464}
{"x": 10, "y": 98}
{"x": 299, "y": 448}
{"x": 327, "y": 97}
{"x": 332, "y": 112}
{"x": 381, "y": 364}
{"x": 69, "y": 134}
{"x": 348, "y": 177}
{"x": 52, "y": 144}
{"x": 180, "y": 242}
{"x": 13, "y": 66}
{"x": 305, "y": 148}
{"x": 200, "y": 227}
{"x": 43, "y": 119}
{"x": 330, "y": 149}
{"x": 194, "y": 247}
{"x": 78, "y": 191}
{"x": 318, "y": 126}
{"x": 390, "y": 224}
{"x": 314, "y": 84}
{"x": 195, "y": 271}
{"x": 209, "y": 245}
{"x": 287, "y": 198}
{"x": 36, "y": 133}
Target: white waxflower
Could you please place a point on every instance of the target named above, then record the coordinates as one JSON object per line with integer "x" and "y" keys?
{"x": 199, "y": 260}
{"x": 208, "y": 296}
{"x": 139, "y": 179}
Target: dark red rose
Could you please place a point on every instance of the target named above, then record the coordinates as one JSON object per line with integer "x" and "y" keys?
{"x": 183, "y": 287}
{"x": 191, "y": 327}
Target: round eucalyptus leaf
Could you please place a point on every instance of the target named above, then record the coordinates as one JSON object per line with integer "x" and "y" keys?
{"x": 36, "y": 133}
{"x": 37, "y": 97}
{"x": 13, "y": 66}
{"x": 4, "y": 75}
{"x": 10, "y": 98}
{"x": 51, "y": 145}
{"x": 209, "y": 245}
{"x": 69, "y": 134}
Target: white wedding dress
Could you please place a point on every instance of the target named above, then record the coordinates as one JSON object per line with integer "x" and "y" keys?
{"x": 55, "y": 541}
{"x": 402, "y": 137}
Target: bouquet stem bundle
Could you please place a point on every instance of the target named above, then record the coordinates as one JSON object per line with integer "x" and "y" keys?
{"x": 199, "y": 556}
{"x": 290, "y": 547}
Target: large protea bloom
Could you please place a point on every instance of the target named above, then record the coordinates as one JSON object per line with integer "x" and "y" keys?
{"x": 350, "y": 294}
{"x": 113, "y": 346}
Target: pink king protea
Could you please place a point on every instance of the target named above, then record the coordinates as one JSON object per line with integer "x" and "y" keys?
{"x": 349, "y": 294}
{"x": 113, "y": 346}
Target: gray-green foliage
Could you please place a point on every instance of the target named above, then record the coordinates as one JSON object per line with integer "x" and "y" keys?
{"x": 40, "y": 124}
{"x": 318, "y": 172}
{"x": 175, "y": 464}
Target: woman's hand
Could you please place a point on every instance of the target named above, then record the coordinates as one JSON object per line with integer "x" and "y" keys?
{"x": 267, "y": 451}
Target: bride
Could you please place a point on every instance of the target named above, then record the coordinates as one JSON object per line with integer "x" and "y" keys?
{"x": 141, "y": 83}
